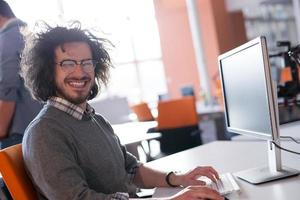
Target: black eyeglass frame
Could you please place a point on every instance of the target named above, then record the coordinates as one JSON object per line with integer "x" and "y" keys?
{"x": 95, "y": 62}
{"x": 81, "y": 62}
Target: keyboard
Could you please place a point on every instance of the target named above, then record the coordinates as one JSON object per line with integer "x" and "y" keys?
{"x": 225, "y": 185}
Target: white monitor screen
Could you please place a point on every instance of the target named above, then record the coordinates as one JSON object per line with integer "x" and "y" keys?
{"x": 247, "y": 93}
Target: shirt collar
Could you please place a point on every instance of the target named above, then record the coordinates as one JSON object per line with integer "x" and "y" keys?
{"x": 9, "y": 22}
{"x": 70, "y": 108}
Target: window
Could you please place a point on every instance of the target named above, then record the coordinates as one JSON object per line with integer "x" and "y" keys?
{"x": 130, "y": 25}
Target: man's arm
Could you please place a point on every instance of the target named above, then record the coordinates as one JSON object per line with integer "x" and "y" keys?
{"x": 11, "y": 46}
{"x": 148, "y": 177}
{"x": 7, "y": 109}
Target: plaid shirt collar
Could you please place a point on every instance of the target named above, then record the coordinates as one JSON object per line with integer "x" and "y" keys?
{"x": 70, "y": 108}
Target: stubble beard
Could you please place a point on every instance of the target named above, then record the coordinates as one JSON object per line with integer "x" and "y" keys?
{"x": 81, "y": 98}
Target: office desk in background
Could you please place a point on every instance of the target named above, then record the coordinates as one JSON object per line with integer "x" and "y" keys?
{"x": 132, "y": 134}
{"x": 211, "y": 116}
{"x": 289, "y": 129}
{"x": 231, "y": 156}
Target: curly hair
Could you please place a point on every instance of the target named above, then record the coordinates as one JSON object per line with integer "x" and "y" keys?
{"x": 38, "y": 60}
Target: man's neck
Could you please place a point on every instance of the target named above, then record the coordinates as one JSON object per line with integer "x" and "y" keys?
{"x": 82, "y": 105}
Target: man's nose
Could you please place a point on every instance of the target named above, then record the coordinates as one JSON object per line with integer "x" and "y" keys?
{"x": 78, "y": 69}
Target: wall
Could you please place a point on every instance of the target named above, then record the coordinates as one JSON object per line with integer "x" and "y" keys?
{"x": 219, "y": 34}
{"x": 176, "y": 44}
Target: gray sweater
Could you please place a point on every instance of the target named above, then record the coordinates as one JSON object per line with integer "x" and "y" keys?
{"x": 69, "y": 158}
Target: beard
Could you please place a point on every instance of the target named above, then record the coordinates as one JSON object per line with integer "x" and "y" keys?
{"x": 81, "y": 98}
{"x": 74, "y": 100}
{"x": 77, "y": 99}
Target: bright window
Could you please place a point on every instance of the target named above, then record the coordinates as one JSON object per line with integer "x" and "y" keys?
{"x": 130, "y": 25}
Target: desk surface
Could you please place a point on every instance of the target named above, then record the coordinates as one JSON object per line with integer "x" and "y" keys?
{"x": 207, "y": 109}
{"x": 231, "y": 156}
{"x": 290, "y": 129}
{"x": 135, "y": 132}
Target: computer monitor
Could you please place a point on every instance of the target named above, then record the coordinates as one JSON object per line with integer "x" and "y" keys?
{"x": 250, "y": 102}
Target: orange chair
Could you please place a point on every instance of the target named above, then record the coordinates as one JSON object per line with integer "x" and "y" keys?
{"x": 178, "y": 122}
{"x": 142, "y": 112}
{"x": 14, "y": 174}
{"x": 285, "y": 75}
{"x": 177, "y": 113}
{"x": 218, "y": 93}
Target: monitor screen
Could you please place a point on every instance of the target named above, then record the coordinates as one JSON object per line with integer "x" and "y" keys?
{"x": 247, "y": 90}
{"x": 251, "y": 105}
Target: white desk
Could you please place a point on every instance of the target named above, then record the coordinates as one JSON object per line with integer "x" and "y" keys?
{"x": 290, "y": 129}
{"x": 230, "y": 156}
{"x": 203, "y": 109}
{"x": 132, "y": 134}
{"x": 208, "y": 114}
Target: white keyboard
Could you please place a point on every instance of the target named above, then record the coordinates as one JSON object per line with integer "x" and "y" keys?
{"x": 225, "y": 185}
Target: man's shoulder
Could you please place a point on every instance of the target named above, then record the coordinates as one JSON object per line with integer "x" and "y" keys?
{"x": 47, "y": 124}
{"x": 102, "y": 120}
{"x": 11, "y": 40}
{"x": 12, "y": 32}
{"x": 47, "y": 119}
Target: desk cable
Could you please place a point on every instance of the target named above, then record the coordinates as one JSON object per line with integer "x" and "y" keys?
{"x": 288, "y": 150}
{"x": 289, "y": 137}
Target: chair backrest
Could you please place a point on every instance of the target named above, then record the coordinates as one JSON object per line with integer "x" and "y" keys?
{"x": 14, "y": 175}
{"x": 177, "y": 113}
{"x": 142, "y": 112}
{"x": 285, "y": 75}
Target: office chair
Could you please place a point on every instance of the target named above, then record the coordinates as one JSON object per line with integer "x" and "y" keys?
{"x": 14, "y": 174}
{"x": 178, "y": 122}
{"x": 285, "y": 75}
{"x": 142, "y": 112}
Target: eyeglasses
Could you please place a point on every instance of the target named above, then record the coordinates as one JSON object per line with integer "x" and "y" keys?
{"x": 87, "y": 65}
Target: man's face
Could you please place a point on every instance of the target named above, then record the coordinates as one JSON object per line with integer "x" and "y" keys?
{"x": 73, "y": 84}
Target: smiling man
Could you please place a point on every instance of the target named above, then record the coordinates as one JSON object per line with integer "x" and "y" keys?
{"x": 74, "y": 83}
{"x": 70, "y": 151}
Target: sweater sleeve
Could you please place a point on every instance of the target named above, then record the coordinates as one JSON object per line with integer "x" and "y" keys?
{"x": 50, "y": 159}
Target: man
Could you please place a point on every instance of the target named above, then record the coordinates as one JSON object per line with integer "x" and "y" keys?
{"x": 69, "y": 151}
{"x": 17, "y": 108}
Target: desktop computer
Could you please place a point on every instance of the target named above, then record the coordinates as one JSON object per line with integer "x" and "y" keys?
{"x": 250, "y": 101}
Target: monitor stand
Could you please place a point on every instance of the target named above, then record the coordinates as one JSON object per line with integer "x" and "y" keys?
{"x": 268, "y": 173}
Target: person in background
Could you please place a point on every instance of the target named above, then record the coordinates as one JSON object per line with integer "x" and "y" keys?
{"x": 17, "y": 108}
{"x": 70, "y": 151}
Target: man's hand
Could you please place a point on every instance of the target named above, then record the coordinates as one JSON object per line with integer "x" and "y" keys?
{"x": 191, "y": 177}
{"x": 197, "y": 192}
